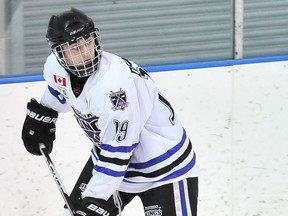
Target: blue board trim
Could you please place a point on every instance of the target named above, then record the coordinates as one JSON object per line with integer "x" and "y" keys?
{"x": 159, "y": 68}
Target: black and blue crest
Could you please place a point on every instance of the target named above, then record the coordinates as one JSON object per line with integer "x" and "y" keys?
{"x": 118, "y": 100}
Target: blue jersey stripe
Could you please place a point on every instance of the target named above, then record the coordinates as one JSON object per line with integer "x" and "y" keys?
{"x": 109, "y": 172}
{"x": 94, "y": 154}
{"x": 56, "y": 95}
{"x": 124, "y": 149}
{"x": 162, "y": 157}
{"x": 182, "y": 198}
{"x": 181, "y": 171}
{"x": 175, "y": 174}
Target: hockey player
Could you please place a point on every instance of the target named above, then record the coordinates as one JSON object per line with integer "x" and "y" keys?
{"x": 139, "y": 145}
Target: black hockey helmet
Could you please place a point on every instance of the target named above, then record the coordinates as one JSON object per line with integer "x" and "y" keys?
{"x": 69, "y": 28}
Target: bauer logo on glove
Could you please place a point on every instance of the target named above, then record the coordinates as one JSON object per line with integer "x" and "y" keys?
{"x": 42, "y": 118}
{"x": 39, "y": 127}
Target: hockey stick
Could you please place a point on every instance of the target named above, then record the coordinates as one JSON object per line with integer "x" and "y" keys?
{"x": 57, "y": 179}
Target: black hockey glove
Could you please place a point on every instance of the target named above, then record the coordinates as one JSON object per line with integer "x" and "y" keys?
{"x": 39, "y": 127}
{"x": 93, "y": 207}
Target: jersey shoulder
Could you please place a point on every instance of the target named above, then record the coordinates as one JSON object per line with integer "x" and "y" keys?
{"x": 54, "y": 72}
{"x": 52, "y": 66}
{"x": 114, "y": 69}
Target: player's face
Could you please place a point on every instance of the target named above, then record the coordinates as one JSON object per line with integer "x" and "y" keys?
{"x": 79, "y": 53}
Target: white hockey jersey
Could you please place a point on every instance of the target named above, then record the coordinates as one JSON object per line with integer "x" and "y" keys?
{"x": 139, "y": 143}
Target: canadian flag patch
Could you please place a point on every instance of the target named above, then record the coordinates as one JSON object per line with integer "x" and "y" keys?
{"x": 60, "y": 80}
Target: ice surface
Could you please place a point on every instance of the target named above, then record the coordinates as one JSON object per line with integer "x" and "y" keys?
{"x": 237, "y": 118}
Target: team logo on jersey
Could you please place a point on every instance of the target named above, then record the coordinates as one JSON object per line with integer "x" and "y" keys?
{"x": 154, "y": 210}
{"x": 82, "y": 187}
{"x": 118, "y": 100}
{"x": 89, "y": 123}
{"x": 63, "y": 91}
{"x": 60, "y": 80}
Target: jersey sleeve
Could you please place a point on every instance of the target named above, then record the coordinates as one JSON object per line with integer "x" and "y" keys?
{"x": 52, "y": 98}
{"x": 117, "y": 106}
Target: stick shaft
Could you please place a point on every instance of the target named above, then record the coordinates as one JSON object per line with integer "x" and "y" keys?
{"x": 57, "y": 179}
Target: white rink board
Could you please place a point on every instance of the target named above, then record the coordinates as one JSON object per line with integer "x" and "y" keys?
{"x": 237, "y": 118}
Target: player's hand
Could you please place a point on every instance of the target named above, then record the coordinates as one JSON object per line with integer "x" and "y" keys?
{"x": 93, "y": 207}
{"x": 39, "y": 127}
